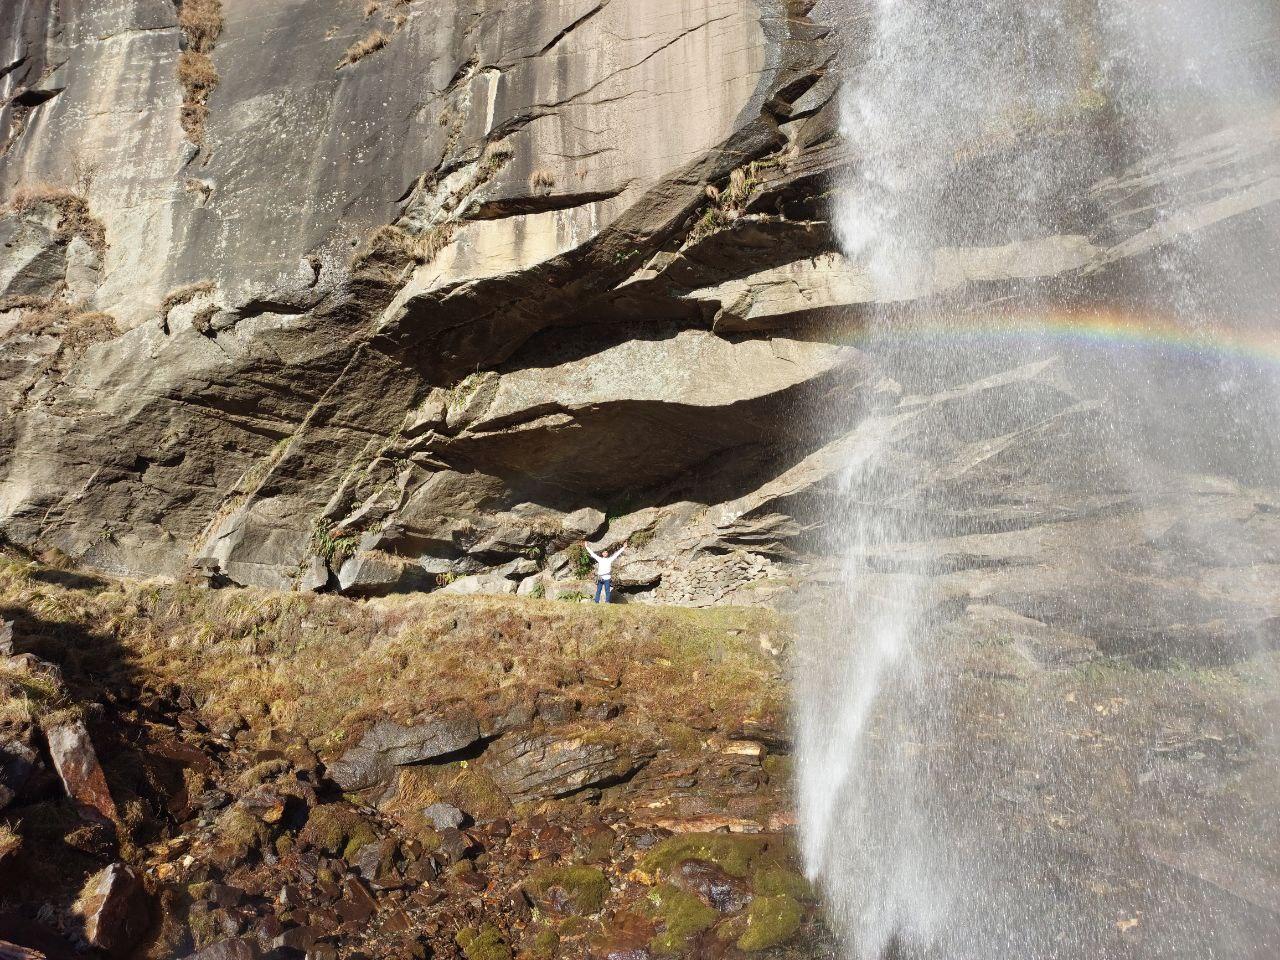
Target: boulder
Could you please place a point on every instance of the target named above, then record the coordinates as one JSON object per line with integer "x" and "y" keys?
{"x": 115, "y": 908}
{"x": 540, "y": 766}
{"x": 442, "y": 816}
{"x": 389, "y": 744}
{"x": 6, "y": 638}
{"x": 712, "y": 885}
{"x": 317, "y": 576}
{"x": 484, "y": 583}
{"x": 77, "y": 764}
{"x": 372, "y": 573}
{"x": 18, "y": 762}
{"x": 582, "y": 524}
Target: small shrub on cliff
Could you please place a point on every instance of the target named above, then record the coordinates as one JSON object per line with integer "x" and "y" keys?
{"x": 362, "y": 48}
{"x": 201, "y": 24}
{"x": 77, "y": 329}
{"x": 580, "y": 561}
{"x": 75, "y": 218}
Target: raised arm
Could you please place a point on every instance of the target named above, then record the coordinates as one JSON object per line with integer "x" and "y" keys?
{"x": 590, "y": 551}
{"x": 617, "y": 553}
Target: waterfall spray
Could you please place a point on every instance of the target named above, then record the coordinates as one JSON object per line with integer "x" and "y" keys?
{"x": 1034, "y": 427}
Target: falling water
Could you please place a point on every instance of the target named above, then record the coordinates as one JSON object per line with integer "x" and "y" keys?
{"x": 1007, "y": 516}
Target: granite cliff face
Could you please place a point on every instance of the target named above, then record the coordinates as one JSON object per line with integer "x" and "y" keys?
{"x": 386, "y": 296}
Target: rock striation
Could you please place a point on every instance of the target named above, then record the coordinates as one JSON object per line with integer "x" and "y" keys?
{"x": 390, "y": 312}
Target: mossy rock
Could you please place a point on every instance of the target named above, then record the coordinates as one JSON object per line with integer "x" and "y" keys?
{"x": 773, "y": 878}
{"x": 732, "y": 853}
{"x": 545, "y": 944}
{"x": 770, "y": 921}
{"x": 239, "y": 833}
{"x": 483, "y": 943}
{"x": 582, "y": 889}
{"x": 682, "y": 916}
{"x": 337, "y": 829}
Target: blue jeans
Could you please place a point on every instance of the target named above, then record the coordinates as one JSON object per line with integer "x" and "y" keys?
{"x": 605, "y": 585}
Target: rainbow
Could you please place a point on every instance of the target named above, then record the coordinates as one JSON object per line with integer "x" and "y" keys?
{"x": 1106, "y": 329}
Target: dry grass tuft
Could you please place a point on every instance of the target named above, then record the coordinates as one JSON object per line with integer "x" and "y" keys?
{"x": 390, "y": 249}
{"x": 75, "y": 216}
{"x": 362, "y": 48}
{"x": 77, "y": 328}
{"x": 183, "y": 294}
{"x": 201, "y": 23}
{"x": 10, "y": 841}
{"x": 542, "y": 179}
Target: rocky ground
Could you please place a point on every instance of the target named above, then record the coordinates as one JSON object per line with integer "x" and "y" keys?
{"x": 240, "y": 773}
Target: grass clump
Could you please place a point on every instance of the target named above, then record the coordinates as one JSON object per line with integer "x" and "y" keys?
{"x": 682, "y": 916}
{"x": 180, "y": 296}
{"x": 10, "y": 841}
{"x": 391, "y": 248}
{"x": 770, "y": 921}
{"x": 483, "y": 943}
{"x": 74, "y": 216}
{"x": 25, "y": 696}
{"x": 201, "y": 24}
{"x": 580, "y": 889}
{"x": 735, "y": 854}
{"x": 371, "y": 43}
{"x": 76, "y": 328}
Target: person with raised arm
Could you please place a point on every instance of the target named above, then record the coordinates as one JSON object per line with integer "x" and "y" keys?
{"x": 604, "y": 570}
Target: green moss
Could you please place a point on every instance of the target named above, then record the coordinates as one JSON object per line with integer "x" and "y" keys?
{"x": 776, "y": 879}
{"x": 779, "y": 767}
{"x": 360, "y": 833}
{"x": 203, "y": 929}
{"x": 483, "y": 943}
{"x": 682, "y": 916}
{"x": 583, "y": 888}
{"x": 545, "y": 944}
{"x": 240, "y": 832}
{"x": 770, "y": 921}
{"x": 335, "y": 828}
{"x": 734, "y": 854}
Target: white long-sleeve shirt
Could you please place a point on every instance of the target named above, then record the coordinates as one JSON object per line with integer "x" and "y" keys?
{"x": 604, "y": 565}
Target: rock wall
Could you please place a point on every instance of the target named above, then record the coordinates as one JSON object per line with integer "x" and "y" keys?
{"x": 431, "y": 292}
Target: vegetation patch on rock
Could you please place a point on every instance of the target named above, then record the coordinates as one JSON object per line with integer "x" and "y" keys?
{"x": 681, "y": 916}
{"x": 569, "y": 889}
